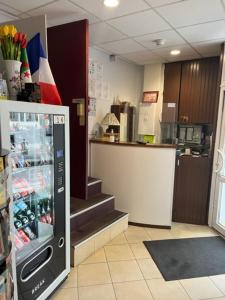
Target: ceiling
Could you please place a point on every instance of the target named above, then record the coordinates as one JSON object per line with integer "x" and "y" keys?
{"x": 196, "y": 27}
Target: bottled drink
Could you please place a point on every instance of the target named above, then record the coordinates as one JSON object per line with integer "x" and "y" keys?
{"x": 19, "y": 215}
{"x": 18, "y": 224}
{"x": 26, "y": 210}
{"x": 23, "y": 236}
{"x": 48, "y": 215}
{"x": 29, "y": 233}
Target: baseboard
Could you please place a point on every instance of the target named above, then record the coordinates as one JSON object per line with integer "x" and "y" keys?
{"x": 149, "y": 225}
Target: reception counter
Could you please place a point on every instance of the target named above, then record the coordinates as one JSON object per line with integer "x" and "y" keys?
{"x": 140, "y": 176}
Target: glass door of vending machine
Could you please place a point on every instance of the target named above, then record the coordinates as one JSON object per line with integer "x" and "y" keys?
{"x": 38, "y": 141}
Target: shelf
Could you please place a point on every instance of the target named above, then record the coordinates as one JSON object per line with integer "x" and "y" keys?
{"x": 20, "y": 170}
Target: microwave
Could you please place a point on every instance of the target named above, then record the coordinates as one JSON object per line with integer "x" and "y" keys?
{"x": 190, "y": 134}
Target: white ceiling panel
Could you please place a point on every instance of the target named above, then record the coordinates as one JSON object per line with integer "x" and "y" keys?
{"x": 142, "y": 57}
{"x": 209, "y": 48}
{"x": 61, "y": 12}
{"x": 171, "y": 39}
{"x": 124, "y": 46}
{"x": 100, "y": 10}
{"x": 204, "y": 32}
{"x": 10, "y": 10}
{"x": 4, "y": 17}
{"x": 25, "y": 5}
{"x": 156, "y": 3}
{"x": 101, "y": 33}
{"x": 140, "y": 23}
{"x": 183, "y": 57}
{"x": 192, "y": 12}
{"x": 186, "y": 50}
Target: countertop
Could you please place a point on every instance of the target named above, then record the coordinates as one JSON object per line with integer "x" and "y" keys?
{"x": 133, "y": 144}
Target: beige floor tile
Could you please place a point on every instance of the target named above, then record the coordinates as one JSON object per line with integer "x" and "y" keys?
{"x": 97, "y": 292}
{"x": 135, "y": 228}
{"x": 71, "y": 281}
{"x": 136, "y": 236}
{"x": 219, "y": 281}
{"x": 118, "y": 252}
{"x": 125, "y": 271}
{"x": 149, "y": 268}
{"x": 118, "y": 240}
{"x": 97, "y": 257}
{"x": 66, "y": 294}
{"x": 93, "y": 274}
{"x": 201, "y": 288}
{"x": 220, "y": 298}
{"x": 135, "y": 290}
{"x": 139, "y": 251}
{"x": 167, "y": 290}
{"x": 159, "y": 234}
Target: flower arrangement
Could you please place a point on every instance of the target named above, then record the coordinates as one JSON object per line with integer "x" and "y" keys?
{"x": 12, "y": 42}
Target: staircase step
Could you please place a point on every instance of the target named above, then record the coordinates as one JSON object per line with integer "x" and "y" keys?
{"x": 97, "y": 234}
{"x": 93, "y": 226}
{"x": 94, "y": 186}
{"x": 80, "y": 206}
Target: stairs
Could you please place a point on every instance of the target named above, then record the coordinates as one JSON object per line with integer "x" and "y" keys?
{"x": 94, "y": 222}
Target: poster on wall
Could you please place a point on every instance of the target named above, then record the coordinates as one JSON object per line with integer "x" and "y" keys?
{"x": 92, "y": 107}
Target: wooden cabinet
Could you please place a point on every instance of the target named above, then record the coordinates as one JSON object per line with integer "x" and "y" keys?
{"x": 172, "y": 78}
{"x": 198, "y": 90}
{"x": 191, "y": 188}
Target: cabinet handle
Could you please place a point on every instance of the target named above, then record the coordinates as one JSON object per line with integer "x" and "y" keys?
{"x": 178, "y": 162}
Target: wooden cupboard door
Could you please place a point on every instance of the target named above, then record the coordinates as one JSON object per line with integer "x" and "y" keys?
{"x": 191, "y": 190}
{"x": 172, "y": 77}
{"x": 199, "y": 81}
{"x": 68, "y": 47}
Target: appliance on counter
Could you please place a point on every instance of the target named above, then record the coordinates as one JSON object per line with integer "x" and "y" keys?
{"x": 37, "y": 136}
{"x": 7, "y": 253}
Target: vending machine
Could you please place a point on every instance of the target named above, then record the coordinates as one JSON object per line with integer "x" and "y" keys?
{"x": 37, "y": 137}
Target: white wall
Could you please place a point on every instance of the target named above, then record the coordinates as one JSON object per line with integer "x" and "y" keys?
{"x": 125, "y": 80}
{"x": 154, "y": 81}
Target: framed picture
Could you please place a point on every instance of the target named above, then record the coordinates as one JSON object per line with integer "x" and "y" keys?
{"x": 150, "y": 97}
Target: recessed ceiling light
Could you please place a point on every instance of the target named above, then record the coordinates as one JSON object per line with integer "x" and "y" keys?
{"x": 175, "y": 52}
{"x": 111, "y": 3}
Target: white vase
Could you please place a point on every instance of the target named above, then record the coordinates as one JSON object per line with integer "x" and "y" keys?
{"x": 12, "y": 69}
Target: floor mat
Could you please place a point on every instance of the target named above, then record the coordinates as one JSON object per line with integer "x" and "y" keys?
{"x": 188, "y": 258}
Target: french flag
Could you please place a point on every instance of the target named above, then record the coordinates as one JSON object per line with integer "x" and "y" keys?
{"x": 41, "y": 72}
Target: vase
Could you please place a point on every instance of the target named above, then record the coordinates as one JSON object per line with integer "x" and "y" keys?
{"x": 12, "y": 69}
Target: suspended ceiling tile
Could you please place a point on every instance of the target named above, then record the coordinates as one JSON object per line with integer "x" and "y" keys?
{"x": 123, "y": 46}
{"x": 10, "y": 10}
{"x": 209, "y": 48}
{"x": 61, "y": 12}
{"x": 102, "y": 33}
{"x": 25, "y": 5}
{"x": 142, "y": 57}
{"x": 191, "y": 12}
{"x": 185, "y": 49}
{"x": 4, "y": 17}
{"x": 140, "y": 23}
{"x": 104, "y": 13}
{"x": 156, "y": 3}
{"x": 204, "y": 32}
{"x": 171, "y": 39}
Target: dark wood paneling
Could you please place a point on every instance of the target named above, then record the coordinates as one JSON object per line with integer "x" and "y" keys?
{"x": 68, "y": 47}
{"x": 191, "y": 190}
{"x": 198, "y": 90}
{"x": 172, "y": 77}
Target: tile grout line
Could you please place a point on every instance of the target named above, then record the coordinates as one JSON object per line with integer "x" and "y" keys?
{"x": 110, "y": 274}
{"x": 215, "y": 284}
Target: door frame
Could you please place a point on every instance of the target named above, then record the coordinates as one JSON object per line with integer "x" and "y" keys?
{"x": 214, "y": 203}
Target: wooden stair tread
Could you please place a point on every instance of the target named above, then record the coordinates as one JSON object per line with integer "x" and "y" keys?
{"x": 94, "y": 226}
{"x": 92, "y": 180}
{"x": 77, "y": 205}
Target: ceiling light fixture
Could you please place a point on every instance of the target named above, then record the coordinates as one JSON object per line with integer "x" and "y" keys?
{"x": 175, "y": 52}
{"x": 111, "y": 3}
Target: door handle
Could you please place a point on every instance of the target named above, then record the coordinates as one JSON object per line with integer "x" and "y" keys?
{"x": 219, "y": 167}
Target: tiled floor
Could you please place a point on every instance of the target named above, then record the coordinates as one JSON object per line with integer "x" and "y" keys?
{"x": 124, "y": 270}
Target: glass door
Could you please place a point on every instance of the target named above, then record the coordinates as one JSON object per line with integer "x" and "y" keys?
{"x": 219, "y": 190}
{"x": 32, "y": 156}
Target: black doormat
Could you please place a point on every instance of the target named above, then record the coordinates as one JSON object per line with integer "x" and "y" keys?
{"x": 188, "y": 258}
